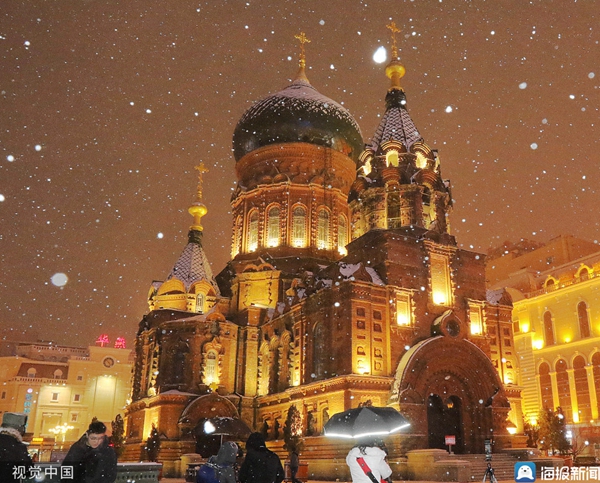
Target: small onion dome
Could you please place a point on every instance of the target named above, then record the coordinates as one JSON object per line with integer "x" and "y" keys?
{"x": 298, "y": 113}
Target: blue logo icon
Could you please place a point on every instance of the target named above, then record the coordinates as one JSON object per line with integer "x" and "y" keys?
{"x": 524, "y": 472}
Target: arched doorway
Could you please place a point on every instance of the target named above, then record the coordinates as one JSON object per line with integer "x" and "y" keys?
{"x": 444, "y": 418}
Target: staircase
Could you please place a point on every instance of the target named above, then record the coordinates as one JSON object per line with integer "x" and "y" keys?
{"x": 503, "y": 465}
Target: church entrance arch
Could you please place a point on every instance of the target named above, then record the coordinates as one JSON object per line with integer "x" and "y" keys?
{"x": 444, "y": 418}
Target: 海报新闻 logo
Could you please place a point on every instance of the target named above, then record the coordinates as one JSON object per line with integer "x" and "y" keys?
{"x": 524, "y": 472}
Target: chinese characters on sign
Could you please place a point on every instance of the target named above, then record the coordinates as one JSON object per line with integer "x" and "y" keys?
{"x": 21, "y": 472}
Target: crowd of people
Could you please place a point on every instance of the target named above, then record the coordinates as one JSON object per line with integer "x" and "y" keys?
{"x": 91, "y": 459}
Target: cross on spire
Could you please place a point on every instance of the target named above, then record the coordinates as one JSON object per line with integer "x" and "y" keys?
{"x": 303, "y": 40}
{"x": 201, "y": 170}
{"x": 395, "y": 30}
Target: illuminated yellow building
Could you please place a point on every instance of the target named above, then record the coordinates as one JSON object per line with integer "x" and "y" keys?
{"x": 64, "y": 387}
{"x": 555, "y": 290}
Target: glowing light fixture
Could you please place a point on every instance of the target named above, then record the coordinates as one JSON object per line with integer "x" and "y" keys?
{"x": 439, "y": 298}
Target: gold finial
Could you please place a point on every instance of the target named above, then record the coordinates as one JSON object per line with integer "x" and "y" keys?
{"x": 198, "y": 209}
{"x": 303, "y": 40}
{"x": 395, "y": 30}
{"x": 201, "y": 170}
{"x": 394, "y": 70}
{"x": 302, "y": 62}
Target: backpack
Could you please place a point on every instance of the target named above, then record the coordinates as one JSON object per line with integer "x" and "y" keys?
{"x": 207, "y": 473}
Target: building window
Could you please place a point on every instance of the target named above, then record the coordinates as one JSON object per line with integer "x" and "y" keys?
{"x": 475, "y": 319}
{"x": 320, "y": 355}
{"x": 376, "y": 327}
{"x": 253, "y": 231}
{"x": 74, "y": 417}
{"x": 342, "y": 235}
{"x": 54, "y": 397}
{"x": 273, "y": 227}
{"x": 58, "y": 374}
{"x": 393, "y": 210}
{"x": 545, "y": 385}
{"x": 403, "y": 311}
{"x": 323, "y": 230}
{"x": 3, "y": 396}
{"x": 440, "y": 279}
{"x": 200, "y": 303}
{"x": 507, "y": 343}
{"x": 77, "y": 398}
{"x": 237, "y": 236}
{"x": 360, "y": 324}
{"x": 360, "y": 311}
{"x": 360, "y": 351}
{"x": 582, "y": 389}
{"x": 31, "y": 372}
{"x": 210, "y": 368}
{"x": 584, "y": 321}
{"x": 564, "y": 391}
{"x": 79, "y": 377}
{"x": 548, "y": 329}
{"x": 377, "y": 315}
{"x": 299, "y": 227}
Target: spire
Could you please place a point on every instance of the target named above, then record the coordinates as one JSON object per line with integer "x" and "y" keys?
{"x": 198, "y": 209}
{"x": 394, "y": 70}
{"x": 301, "y": 75}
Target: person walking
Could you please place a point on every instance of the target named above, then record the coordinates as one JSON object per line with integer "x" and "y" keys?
{"x": 367, "y": 463}
{"x": 261, "y": 465}
{"x": 294, "y": 466}
{"x": 14, "y": 459}
{"x": 91, "y": 458}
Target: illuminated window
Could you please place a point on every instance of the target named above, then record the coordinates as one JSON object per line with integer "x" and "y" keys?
{"x": 199, "y": 303}
{"x": 584, "y": 321}
{"x": 548, "y": 329}
{"x": 403, "y": 312}
{"x": 253, "y": 231}
{"x": 582, "y": 389}
{"x": 273, "y": 227}
{"x": 476, "y": 322}
{"x": 393, "y": 210}
{"x": 210, "y": 368}
{"x": 545, "y": 385}
{"x": 31, "y": 372}
{"x": 237, "y": 236}
{"x": 564, "y": 391}
{"x": 299, "y": 227}
{"x": 440, "y": 279}
{"x": 427, "y": 208}
{"x": 323, "y": 230}
{"x": 342, "y": 235}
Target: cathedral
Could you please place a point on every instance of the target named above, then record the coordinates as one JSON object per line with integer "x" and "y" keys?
{"x": 345, "y": 287}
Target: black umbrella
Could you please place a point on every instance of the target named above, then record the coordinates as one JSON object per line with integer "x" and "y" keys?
{"x": 223, "y": 426}
{"x": 364, "y": 422}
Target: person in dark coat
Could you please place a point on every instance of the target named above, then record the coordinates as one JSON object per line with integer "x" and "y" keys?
{"x": 261, "y": 465}
{"x": 91, "y": 458}
{"x": 14, "y": 459}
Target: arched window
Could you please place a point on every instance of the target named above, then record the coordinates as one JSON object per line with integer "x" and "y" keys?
{"x": 427, "y": 208}
{"x": 273, "y": 227}
{"x": 584, "y": 274}
{"x": 320, "y": 354}
{"x": 393, "y": 210}
{"x": 253, "y": 231}
{"x": 582, "y": 389}
{"x": 546, "y": 386}
{"x": 237, "y": 236}
{"x": 299, "y": 227}
{"x": 564, "y": 392}
{"x": 210, "y": 368}
{"x": 323, "y": 230}
{"x": 342, "y": 234}
{"x": 548, "y": 329}
{"x": 31, "y": 372}
{"x": 58, "y": 374}
{"x": 584, "y": 321}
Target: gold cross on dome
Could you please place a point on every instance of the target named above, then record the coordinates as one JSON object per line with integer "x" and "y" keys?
{"x": 201, "y": 170}
{"x": 303, "y": 40}
{"x": 395, "y": 30}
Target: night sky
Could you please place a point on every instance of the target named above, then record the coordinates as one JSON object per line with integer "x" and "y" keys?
{"x": 107, "y": 106}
